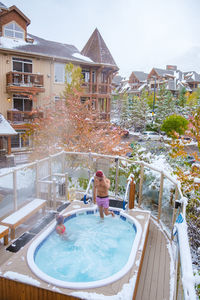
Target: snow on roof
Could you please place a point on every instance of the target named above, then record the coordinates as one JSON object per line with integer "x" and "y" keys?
{"x": 5, "y": 127}
{"x": 80, "y": 56}
{"x": 142, "y": 86}
{"x": 10, "y": 43}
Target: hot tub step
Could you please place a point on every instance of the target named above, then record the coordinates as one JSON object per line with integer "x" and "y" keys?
{"x": 20, "y": 242}
{"x": 46, "y": 220}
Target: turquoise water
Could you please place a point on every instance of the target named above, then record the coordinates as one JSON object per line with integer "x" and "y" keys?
{"x": 92, "y": 249}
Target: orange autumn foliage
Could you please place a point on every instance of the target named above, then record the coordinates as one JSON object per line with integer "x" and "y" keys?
{"x": 74, "y": 126}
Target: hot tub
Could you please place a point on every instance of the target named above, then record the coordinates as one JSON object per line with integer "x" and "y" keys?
{"x": 93, "y": 253}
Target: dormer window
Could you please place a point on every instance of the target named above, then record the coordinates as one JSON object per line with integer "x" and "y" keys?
{"x": 13, "y": 30}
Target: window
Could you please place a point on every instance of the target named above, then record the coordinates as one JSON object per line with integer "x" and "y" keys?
{"x": 103, "y": 77}
{"x": 13, "y": 30}
{"x": 59, "y": 72}
{"x": 86, "y": 75}
{"x": 93, "y": 76}
{"x": 22, "y": 103}
{"x": 18, "y": 141}
{"x": 22, "y": 65}
{"x": 57, "y": 98}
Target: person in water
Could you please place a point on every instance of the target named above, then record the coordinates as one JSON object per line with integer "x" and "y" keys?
{"x": 60, "y": 227}
{"x": 101, "y": 187}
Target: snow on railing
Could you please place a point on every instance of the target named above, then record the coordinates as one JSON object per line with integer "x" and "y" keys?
{"x": 188, "y": 280}
{"x": 129, "y": 180}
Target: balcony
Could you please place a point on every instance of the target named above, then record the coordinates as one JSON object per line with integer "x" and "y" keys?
{"x": 93, "y": 88}
{"x": 24, "y": 82}
{"x": 17, "y": 116}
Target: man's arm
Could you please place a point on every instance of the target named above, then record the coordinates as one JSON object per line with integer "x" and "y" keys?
{"x": 107, "y": 182}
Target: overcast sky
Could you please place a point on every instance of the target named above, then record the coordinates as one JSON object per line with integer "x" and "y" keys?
{"x": 140, "y": 34}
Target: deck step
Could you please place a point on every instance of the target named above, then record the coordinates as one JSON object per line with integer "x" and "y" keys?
{"x": 45, "y": 221}
{"x": 116, "y": 203}
{"x": 20, "y": 242}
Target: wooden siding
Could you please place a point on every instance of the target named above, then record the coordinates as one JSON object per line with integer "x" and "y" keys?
{"x": 13, "y": 290}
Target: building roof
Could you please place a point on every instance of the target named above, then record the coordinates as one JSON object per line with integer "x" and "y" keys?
{"x": 5, "y": 128}
{"x": 140, "y": 75}
{"x": 117, "y": 79}
{"x": 2, "y": 6}
{"x": 44, "y": 47}
{"x": 163, "y": 72}
{"x": 192, "y": 76}
{"x": 97, "y": 50}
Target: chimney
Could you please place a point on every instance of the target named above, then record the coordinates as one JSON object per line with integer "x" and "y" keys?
{"x": 171, "y": 67}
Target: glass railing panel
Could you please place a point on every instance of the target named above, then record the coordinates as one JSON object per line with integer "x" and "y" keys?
{"x": 43, "y": 169}
{"x": 6, "y": 195}
{"x": 78, "y": 168}
{"x": 26, "y": 185}
{"x": 167, "y": 206}
{"x": 57, "y": 163}
{"x": 150, "y": 190}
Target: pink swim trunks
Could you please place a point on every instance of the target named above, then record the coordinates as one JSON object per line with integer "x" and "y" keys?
{"x": 103, "y": 201}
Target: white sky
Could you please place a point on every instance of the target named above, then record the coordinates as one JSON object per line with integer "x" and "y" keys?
{"x": 140, "y": 34}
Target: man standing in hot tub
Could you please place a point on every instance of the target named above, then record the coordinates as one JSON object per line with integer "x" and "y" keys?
{"x": 101, "y": 187}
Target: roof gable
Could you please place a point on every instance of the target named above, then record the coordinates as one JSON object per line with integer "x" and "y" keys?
{"x": 14, "y": 9}
{"x": 97, "y": 50}
{"x": 20, "y": 13}
{"x": 141, "y": 76}
{"x": 5, "y": 127}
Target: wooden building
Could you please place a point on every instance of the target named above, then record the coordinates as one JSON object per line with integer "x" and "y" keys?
{"x": 32, "y": 72}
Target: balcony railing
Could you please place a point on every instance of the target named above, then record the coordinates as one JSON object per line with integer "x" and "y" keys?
{"x": 17, "y": 116}
{"x": 103, "y": 88}
{"x": 24, "y": 79}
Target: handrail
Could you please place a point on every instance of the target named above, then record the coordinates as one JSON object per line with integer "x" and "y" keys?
{"x": 127, "y": 189}
{"x": 87, "y": 190}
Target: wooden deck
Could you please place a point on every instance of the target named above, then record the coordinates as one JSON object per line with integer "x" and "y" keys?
{"x": 154, "y": 281}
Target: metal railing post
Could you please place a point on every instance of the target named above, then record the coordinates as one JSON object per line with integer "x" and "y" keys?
{"x": 37, "y": 179}
{"x": 63, "y": 162}
{"x": 66, "y": 187}
{"x": 54, "y": 194}
{"x": 50, "y": 177}
{"x": 160, "y": 195}
{"x": 15, "y": 188}
{"x": 175, "y": 208}
{"x": 116, "y": 176}
{"x": 141, "y": 184}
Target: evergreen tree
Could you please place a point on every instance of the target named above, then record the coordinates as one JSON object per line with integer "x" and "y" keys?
{"x": 165, "y": 106}
{"x": 140, "y": 113}
{"x": 182, "y": 99}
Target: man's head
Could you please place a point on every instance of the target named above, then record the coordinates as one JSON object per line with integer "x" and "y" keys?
{"x": 99, "y": 175}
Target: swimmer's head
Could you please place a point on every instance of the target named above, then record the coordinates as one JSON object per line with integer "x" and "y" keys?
{"x": 99, "y": 174}
{"x": 60, "y": 219}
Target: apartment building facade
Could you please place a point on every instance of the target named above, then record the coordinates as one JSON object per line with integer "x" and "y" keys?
{"x": 32, "y": 73}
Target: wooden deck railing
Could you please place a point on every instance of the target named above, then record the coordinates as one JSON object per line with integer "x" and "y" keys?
{"x": 24, "y": 79}
{"x": 23, "y": 116}
{"x": 93, "y": 88}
